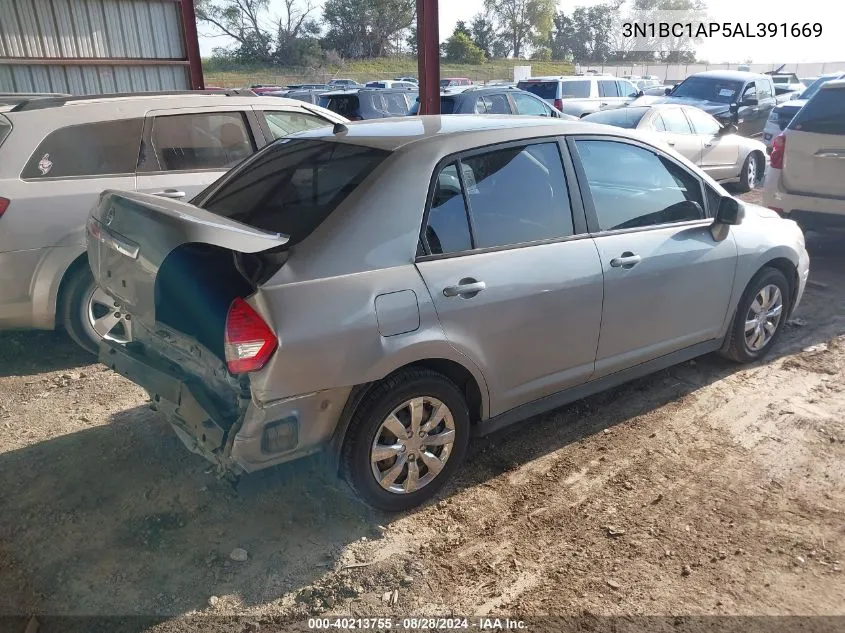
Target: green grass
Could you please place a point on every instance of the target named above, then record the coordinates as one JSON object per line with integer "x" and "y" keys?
{"x": 371, "y": 69}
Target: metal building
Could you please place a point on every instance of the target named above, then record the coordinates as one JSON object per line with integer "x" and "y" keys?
{"x": 98, "y": 46}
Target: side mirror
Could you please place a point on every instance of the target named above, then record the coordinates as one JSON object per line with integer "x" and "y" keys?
{"x": 730, "y": 212}
{"x": 734, "y": 108}
{"x": 640, "y": 93}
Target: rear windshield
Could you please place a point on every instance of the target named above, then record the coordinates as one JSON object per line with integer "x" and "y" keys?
{"x": 293, "y": 185}
{"x": 345, "y": 105}
{"x": 824, "y": 113}
{"x": 814, "y": 87}
{"x": 5, "y": 128}
{"x": 543, "y": 89}
{"x": 620, "y": 117}
{"x": 447, "y": 106}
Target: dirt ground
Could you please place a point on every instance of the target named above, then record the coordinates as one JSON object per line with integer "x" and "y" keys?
{"x": 706, "y": 489}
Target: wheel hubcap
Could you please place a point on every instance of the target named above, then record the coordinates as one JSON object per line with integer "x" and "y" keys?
{"x": 412, "y": 445}
{"x": 105, "y": 319}
{"x": 752, "y": 173}
{"x": 763, "y": 318}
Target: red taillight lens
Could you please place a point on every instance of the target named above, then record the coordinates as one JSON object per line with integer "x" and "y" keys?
{"x": 4, "y": 204}
{"x": 559, "y": 104}
{"x": 249, "y": 341}
{"x": 778, "y": 150}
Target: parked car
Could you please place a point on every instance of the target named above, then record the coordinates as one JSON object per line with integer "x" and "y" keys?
{"x": 299, "y": 307}
{"x": 806, "y": 179}
{"x": 450, "y": 82}
{"x": 57, "y": 155}
{"x": 386, "y": 83}
{"x": 262, "y": 89}
{"x": 493, "y": 100}
{"x": 784, "y": 94}
{"x": 412, "y": 80}
{"x": 645, "y": 84}
{"x": 788, "y": 80}
{"x": 732, "y": 96}
{"x": 783, "y": 113}
{"x": 657, "y": 90}
{"x": 336, "y": 84}
{"x": 580, "y": 96}
{"x": 716, "y": 149}
{"x": 368, "y": 103}
{"x": 308, "y": 96}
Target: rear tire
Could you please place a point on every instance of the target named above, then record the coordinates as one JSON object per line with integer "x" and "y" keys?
{"x": 85, "y": 308}
{"x": 756, "y": 329}
{"x": 434, "y": 454}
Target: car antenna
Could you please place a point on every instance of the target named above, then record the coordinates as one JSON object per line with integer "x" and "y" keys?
{"x": 339, "y": 128}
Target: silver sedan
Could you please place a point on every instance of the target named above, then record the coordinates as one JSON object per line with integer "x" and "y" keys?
{"x": 722, "y": 153}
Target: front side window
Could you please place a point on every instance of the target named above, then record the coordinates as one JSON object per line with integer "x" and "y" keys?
{"x": 529, "y": 105}
{"x": 515, "y": 195}
{"x": 284, "y": 123}
{"x": 750, "y": 91}
{"x": 90, "y": 149}
{"x": 627, "y": 89}
{"x": 703, "y": 123}
{"x": 293, "y": 185}
{"x": 765, "y": 89}
{"x": 635, "y": 187}
{"x": 189, "y": 142}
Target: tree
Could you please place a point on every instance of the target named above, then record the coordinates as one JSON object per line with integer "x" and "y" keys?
{"x": 483, "y": 33}
{"x": 460, "y": 49}
{"x": 241, "y": 20}
{"x": 296, "y": 33}
{"x": 522, "y": 22}
{"x": 668, "y": 49}
{"x": 365, "y": 28}
{"x": 461, "y": 27}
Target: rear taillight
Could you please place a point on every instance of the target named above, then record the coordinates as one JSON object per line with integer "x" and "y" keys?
{"x": 249, "y": 342}
{"x": 778, "y": 150}
{"x": 4, "y": 204}
{"x": 559, "y": 104}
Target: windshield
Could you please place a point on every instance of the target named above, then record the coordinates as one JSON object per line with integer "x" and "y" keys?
{"x": 293, "y": 185}
{"x": 709, "y": 89}
{"x": 620, "y": 117}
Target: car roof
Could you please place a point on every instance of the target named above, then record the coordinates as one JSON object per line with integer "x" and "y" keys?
{"x": 162, "y": 100}
{"x": 455, "y": 132}
{"x": 836, "y": 84}
{"x": 355, "y": 91}
{"x": 739, "y": 75}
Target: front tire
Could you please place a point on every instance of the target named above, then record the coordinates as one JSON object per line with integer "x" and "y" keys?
{"x": 751, "y": 171}
{"x": 89, "y": 314}
{"x": 406, "y": 439}
{"x": 760, "y": 316}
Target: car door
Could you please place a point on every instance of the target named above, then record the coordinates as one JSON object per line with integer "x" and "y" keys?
{"x": 516, "y": 282}
{"x": 667, "y": 282}
{"x": 748, "y": 112}
{"x": 678, "y": 133}
{"x": 186, "y": 149}
{"x": 766, "y": 102}
{"x": 719, "y": 153}
{"x": 608, "y": 94}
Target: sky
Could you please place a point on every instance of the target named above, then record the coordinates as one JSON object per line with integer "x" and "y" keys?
{"x": 827, "y": 13}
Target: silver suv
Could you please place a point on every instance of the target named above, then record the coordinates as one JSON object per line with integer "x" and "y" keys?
{"x": 579, "y": 96}
{"x": 57, "y": 154}
{"x": 385, "y": 289}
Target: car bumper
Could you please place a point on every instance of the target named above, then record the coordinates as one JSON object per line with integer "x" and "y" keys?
{"x": 809, "y": 211}
{"x": 258, "y": 436}
{"x": 17, "y": 269}
{"x": 769, "y": 133}
{"x": 803, "y": 276}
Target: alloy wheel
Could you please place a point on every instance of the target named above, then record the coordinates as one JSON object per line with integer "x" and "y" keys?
{"x": 763, "y": 318}
{"x": 752, "y": 173}
{"x": 412, "y": 445}
{"x": 104, "y": 319}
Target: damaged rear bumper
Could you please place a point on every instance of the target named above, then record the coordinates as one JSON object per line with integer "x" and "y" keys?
{"x": 244, "y": 438}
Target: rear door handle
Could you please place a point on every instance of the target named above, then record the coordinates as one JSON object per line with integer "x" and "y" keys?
{"x": 627, "y": 260}
{"x": 170, "y": 193}
{"x": 670, "y": 143}
{"x": 466, "y": 288}
{"x": 831, "y": 154}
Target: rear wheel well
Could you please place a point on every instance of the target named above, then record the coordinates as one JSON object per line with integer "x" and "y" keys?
{"x": 74, "y": 267}
{"x": 790, "y": 271}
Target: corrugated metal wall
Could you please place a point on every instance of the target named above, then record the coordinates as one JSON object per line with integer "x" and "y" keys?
{"x": 140, "y": 43}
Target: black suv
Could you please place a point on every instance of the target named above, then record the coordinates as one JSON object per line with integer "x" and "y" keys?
{"x": 368, "y": 103}
{"x": 731, "y": 96}
{"x": 493, "y": 100}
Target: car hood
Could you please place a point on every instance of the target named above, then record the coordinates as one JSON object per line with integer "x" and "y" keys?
{"x": 711, "y": 107}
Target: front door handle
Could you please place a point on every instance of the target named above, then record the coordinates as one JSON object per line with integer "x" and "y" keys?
{"x": 170, "y": 193}
{"x": 466, "y": 288}
{"x": 627, "y": 260}
{"x": 708, "y": 145}
{"x": 670, "y": 143}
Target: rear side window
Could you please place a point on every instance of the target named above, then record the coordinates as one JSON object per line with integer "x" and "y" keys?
{"x": 675, "y": 121}
{"x": 292, "y": 186}
{"x": 529, "y": 105}
{"x": 394, "y": 103}
{"x": 608, "y": 89}
{"x": 345, "y": 105}
{"x": 823, "y": 114}
{"x": 5, "y": 128}
{"x": 575, "y": 89}
{"x": 515, "y": 195}
{"x": 284, "y": 123}
{"x": 91, "y": 149}
{"x": 190, "y": 142}
{"x": 543, "y": 89}
{"x": 497, "y": 104}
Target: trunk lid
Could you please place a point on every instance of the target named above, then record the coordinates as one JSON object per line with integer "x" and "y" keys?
{"x": 814, "y": 160}
{"x": 131, "y": 234}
